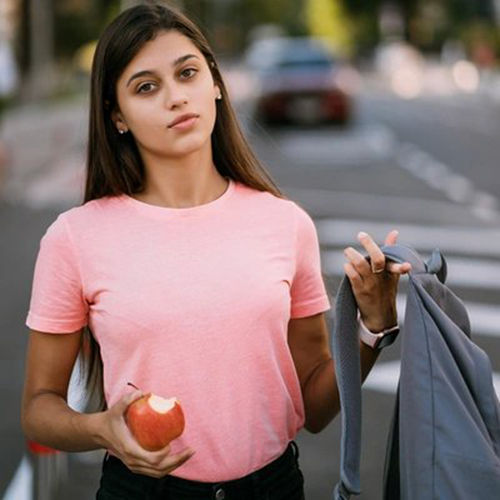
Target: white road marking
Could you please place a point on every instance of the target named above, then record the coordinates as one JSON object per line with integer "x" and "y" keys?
{"x": 462, "y": 272}
{"x": 478, "y": 242}
{"x": 20, "y": 487}
{"x": 439, "y": 176}
{"x": 484, "y": 318}
{"x": 384, "y": 378}
{"x": 378, "y": 142}
{"x": 386, "y": 207}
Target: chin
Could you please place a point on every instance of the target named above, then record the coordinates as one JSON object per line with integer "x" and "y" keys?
{"x": 188, "y": 145}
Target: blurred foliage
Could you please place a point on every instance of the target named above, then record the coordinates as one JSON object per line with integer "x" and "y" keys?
{"x": 227, "y": 23}
{"x": 353, "y": 26}
{"x": 482, "y": 42}
{"x": 287, "y": 13}
{"x": 328, "y": 19}
{"x": 426, "y": 23}
{"x": 77, "y": 22}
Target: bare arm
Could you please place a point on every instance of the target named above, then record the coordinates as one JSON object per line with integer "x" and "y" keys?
{"x": 47, "y": 419}
{"x": 45, "y": 415}
{"x": 308, "y": 340}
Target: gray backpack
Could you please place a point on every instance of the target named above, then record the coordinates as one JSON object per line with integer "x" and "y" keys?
{"x": 444, "y": 441}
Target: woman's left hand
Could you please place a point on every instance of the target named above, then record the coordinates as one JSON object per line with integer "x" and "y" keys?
{"x": 375, "y": 283}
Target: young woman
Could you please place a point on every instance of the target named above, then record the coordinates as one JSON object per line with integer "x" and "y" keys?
{"x": 186, "y": 272}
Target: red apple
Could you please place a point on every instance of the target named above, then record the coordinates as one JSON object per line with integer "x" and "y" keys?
{"x": 155, "y": 421}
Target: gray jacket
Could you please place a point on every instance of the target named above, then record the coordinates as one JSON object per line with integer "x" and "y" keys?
{"x": 445, "y": 436}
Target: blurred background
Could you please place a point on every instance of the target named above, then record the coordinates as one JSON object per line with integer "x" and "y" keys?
{"x": 372, "y": 115}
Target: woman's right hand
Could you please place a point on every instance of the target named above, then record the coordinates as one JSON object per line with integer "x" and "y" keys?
{"x": 119, "y": 440}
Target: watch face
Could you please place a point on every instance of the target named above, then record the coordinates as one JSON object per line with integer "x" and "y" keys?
{"x": 387, "y": 339}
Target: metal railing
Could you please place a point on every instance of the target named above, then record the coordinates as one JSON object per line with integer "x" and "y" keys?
{"x": 49, "y": 471}
{"x": 49, "y": 467}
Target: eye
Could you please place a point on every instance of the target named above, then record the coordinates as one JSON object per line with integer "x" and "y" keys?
{"x": 144, "y": 88}
{"x": 189, "y": 69}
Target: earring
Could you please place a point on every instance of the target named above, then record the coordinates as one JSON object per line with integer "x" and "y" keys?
{"x": 120, "y": 131}
{"x": 219, "y": 97}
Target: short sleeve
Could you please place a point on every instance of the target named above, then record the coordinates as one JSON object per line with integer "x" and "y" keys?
{"x": 57, "y": 302}
{"x": 308, "y": 291}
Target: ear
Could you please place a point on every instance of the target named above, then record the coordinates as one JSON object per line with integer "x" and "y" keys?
{"x": 118, "y": 119}
{"x": 216, "y": 91}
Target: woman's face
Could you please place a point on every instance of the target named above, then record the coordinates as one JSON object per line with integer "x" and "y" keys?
{"x": 168, "y": 77}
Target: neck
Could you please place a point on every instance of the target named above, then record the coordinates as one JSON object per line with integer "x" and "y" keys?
{"x": 181, "y": 182}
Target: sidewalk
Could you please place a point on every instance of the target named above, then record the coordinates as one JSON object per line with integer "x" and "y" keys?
{"x": 44, "y": 143}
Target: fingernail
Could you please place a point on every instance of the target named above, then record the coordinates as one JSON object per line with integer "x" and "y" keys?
{"x": 362, "y": 234}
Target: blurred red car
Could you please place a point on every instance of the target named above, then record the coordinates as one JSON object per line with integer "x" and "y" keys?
{"x": 297, "y": 81}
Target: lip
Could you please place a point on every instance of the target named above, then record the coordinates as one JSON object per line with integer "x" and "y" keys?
{"x": 183, "y": 118}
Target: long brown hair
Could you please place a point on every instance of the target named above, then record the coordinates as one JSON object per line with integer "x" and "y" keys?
{"x": 114, "y": 165}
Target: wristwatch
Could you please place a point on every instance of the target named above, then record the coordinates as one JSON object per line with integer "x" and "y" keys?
{"x": 377, "y": 340}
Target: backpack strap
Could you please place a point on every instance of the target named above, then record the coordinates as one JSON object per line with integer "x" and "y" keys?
{"x": 345, "y": 349}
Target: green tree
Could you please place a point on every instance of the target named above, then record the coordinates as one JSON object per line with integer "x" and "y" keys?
{"x": 328, "y": 19}
{"x": 352, "y": 26}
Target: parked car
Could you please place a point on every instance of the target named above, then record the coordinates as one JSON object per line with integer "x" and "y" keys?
{"x": 297, "y": 81}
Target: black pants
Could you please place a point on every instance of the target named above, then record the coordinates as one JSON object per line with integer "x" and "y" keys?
{"x": 282, "y": 479}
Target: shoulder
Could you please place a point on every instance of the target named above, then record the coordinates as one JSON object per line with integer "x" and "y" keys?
{"x": 77, "y": 219}
{"x": 271, "y": 203}
{"x": 283, "y": 214}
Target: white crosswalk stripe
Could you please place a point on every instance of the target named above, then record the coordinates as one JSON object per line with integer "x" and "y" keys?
{"x": 462, "y": 272}
{"x": 20, "y": 488}
{"x": 473, "y": 260}
{"x": 479, "y": 242}
{"x": 384, "y": 378}
{"x": 484, "y": 318}
{"x": 478, "y": 270}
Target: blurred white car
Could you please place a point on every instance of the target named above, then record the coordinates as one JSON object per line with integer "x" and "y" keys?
{"x": 297, "y": 79}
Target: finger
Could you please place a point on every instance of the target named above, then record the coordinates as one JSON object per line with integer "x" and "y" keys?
{"x": 177, "y": 459}
{"x": 403, "y": 268}
{"x": 155, "y": 458}
{"x": 377, "y": 257}
{"x": 147, "y": 471}
{"x": 136, "y": 453}
{"x": 392, "y": 237}
{"x": 358, "y": 261}
{"x": 353, "y": 276}
{"x": 165, "y": 466}
{"x": 139, "y": 457}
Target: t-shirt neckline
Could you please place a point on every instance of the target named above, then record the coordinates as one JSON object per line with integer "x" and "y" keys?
{"x": 159, "y": 211}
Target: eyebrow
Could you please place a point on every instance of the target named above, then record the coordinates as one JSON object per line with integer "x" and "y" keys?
{"x": 144, "y": 72}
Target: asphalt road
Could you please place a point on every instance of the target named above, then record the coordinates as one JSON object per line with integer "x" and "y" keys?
{"x": 428, "y": 167}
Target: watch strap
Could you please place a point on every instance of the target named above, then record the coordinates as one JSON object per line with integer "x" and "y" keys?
{"x": 377, "y": 340}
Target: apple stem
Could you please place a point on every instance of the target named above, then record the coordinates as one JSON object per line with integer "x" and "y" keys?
{"x": 130, "y": 383}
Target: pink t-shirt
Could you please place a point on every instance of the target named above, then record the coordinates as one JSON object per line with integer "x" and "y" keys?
{"x": 193, "y": 303}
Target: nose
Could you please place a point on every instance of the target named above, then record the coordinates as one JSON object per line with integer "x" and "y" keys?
{"x": 175, "y": 96}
